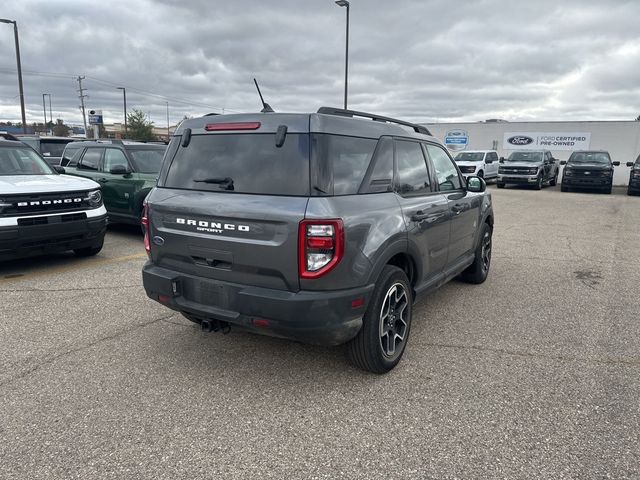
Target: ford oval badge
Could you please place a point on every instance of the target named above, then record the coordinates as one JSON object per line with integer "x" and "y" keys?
{"x": 158, "y": 240}
{"x": 520, "y": 140}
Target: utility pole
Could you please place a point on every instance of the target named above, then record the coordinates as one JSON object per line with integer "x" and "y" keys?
{"x": 44, "y": 109}
{"x": 124, "y": 99}
{"x": 50, "y": 114}
{"x": 82, "y": 97}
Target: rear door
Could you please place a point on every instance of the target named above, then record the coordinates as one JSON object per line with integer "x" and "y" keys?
{"x": 117, "y": 189}
{"x": 464, "y": 207}
{"x": 229, "y": 207}
{"x": 425, "y": 210}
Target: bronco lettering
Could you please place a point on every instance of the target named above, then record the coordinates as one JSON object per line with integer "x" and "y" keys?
{"x": 212, "y": 226}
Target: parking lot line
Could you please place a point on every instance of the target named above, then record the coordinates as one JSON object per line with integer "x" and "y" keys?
{"x": 13, "y": 278}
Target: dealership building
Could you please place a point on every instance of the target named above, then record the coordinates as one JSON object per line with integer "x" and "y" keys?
{"x": 620, "y": 138}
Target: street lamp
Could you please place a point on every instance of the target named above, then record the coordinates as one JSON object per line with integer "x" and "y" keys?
{"x": 15, "y": 33}
{"x": 345, "y": 3}
{"x": 124, "y": 97}
{"x": 168, "y": 132}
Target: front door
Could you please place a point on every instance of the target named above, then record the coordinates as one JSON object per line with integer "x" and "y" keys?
{"x": 464, "y": 207}
{"x": 425, "y": 211}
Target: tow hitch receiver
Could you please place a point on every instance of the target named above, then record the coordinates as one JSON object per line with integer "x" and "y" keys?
{"x": 215, "y": 326}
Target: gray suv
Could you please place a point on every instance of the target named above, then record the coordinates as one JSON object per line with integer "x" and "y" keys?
{"x": 320, "y": 227}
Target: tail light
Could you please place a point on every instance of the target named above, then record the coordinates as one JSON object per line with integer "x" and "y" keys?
{"x": 320, "y": 246}
{"x": 146, "y": 227}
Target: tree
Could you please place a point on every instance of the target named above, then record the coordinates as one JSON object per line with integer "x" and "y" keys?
{"x": 139, "y": 127}
{"x": 60, "y": 129}
{"x": 638, "y": 118}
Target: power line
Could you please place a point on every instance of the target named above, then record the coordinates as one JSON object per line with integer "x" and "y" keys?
{"x": 111, "y": 84}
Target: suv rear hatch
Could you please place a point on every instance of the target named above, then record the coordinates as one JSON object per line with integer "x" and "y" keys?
{"x": 229, "y": 203}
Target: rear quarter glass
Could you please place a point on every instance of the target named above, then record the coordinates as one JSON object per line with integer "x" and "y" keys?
{"x": 251, "y": 161}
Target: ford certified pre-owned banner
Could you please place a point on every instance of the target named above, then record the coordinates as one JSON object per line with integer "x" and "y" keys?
{"x": 546, "y": 140}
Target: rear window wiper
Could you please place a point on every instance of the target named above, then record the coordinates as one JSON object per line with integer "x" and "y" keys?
{"x": 226, "y": 183}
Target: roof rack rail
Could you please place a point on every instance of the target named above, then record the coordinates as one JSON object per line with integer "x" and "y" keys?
{"x": 8, "y": 136}
{"x": 113, "y": 141}
{"x": 376, "y": 118}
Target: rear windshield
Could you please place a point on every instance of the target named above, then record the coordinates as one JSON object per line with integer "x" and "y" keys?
{"x": 147, "y": 160}
{"x": 22, "y": 161}
{"x": 52, "y": 148}
{"x": 242, "y": 163}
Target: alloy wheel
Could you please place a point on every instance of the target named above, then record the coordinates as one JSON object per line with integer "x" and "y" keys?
{"x": 393, "y": 322}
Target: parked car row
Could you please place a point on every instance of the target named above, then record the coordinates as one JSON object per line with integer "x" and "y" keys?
{"x": 585, "y": 169}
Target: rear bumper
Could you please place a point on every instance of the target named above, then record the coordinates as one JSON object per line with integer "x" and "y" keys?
{"x": 60, "y": 233}
{"x": 317, "y": 317}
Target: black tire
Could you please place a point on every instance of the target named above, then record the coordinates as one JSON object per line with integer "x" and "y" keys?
{"x": 554, "y": 181}
{"x": 381, "y": 341}
{"x": 538, "y": 185}
{"x": 500, "y": 185}
{"x": 88, "y": 251}
{"x": 481, "y": 174}
{"x": 563, "y": 188}
{"x": 479, "y": 270}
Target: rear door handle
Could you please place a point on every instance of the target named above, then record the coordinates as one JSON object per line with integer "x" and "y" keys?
{"x": 419, "y": 215}
{"x": 457, "y": 209}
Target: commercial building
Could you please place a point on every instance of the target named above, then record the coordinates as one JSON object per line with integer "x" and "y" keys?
{"x": 620, "y": 138}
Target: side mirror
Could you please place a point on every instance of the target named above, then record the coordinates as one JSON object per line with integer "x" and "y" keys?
{"x": 563, "y": 162}
{"x": 629, "y": 164}
{"x": 119, "y": 170}
{"x": 501, "y": 160}
{"x": 616, "y": 164}
{"x": 58, "y": 169}
{"x": 476, "y": 184}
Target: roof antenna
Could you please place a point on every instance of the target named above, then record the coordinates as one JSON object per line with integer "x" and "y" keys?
{"x": 266, "y": 108}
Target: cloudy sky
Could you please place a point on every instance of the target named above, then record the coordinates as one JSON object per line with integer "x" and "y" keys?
{"x": 421, "y": 60}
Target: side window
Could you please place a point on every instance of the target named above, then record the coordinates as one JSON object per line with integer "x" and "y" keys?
{"x": 351, "y": 157}
{"x": 446, "y": 172}
{"x": 413, "y": 177}
{"x": 91, "y": 159}
{"x": 114, "y": 157}
{"x": 380, "y": 177}
{"x": 67, "y": 155}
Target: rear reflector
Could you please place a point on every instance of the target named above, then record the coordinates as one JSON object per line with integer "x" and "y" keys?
{"x": 357, "y": 303}
{"x": 163, "y": 298}
{"x": 216, "y": 127}
{"x": 260, "y": 322}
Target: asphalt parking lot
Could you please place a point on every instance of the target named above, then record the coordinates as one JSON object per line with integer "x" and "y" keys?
{"x": 534, "y": 374}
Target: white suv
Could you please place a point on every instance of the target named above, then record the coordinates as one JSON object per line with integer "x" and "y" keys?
{"x": 483, "y": 163}
{"x": 42, "y": 211}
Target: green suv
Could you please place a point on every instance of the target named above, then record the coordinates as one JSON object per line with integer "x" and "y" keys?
{"x": 126, "y": 170}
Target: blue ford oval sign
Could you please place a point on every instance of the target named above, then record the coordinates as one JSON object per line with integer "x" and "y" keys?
{"x": 520, "y": 140}
{"x": 158, "y": 240}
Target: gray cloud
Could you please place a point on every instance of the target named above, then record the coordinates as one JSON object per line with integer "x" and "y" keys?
{"x": 422, "y": 60}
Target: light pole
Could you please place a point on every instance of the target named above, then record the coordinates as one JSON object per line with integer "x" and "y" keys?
{"x": 345, "y": 3}
{"x": 124, "y": 98}
{"x": 15, "y": 33}
{"x": 168, "y": 132}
